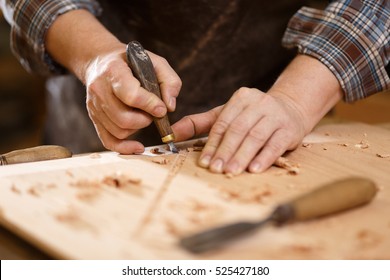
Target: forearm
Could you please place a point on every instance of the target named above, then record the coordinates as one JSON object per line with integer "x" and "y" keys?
{"x": 351, "y": 38}
{"x": 76, "y": 38}
{"x": 312, "y": 88}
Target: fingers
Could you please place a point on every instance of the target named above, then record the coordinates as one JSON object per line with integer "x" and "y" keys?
{"x": 170, "y": 83}
{"x": 114, "y": 144}
{"x": 119, "y": 106}
{"x": 251, "y": 131}
{"x": 196, "y": 124}
{"x": 129, "y": 91}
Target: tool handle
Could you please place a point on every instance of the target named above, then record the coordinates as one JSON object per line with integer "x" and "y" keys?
{"x": 328, "y": 199}
{"x": 142, "y": 68}
{"x": 39, "y": 153}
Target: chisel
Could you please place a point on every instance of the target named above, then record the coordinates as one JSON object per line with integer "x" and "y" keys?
{"x": 142, "y": 68}
{"x": 328, "y": 199}
{"x": 39, "y": 153}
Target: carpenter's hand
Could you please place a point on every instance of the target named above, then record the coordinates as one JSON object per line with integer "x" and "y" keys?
{"x": 249, "y": 132}
{"x": 119, "y": 106}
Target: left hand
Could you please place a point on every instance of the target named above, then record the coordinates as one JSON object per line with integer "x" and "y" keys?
{"x": 249, "y": 132}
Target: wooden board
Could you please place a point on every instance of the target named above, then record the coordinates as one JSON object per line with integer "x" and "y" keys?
{"x": 106, "y": 206}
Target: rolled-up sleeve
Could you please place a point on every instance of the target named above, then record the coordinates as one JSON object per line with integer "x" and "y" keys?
{"x": 351, "y": 38}
{"x": 30, "y": 20}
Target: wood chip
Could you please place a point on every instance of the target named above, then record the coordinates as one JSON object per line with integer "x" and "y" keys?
{"x": 156, "y": 151}
{"x": 160, "y": 160}
{"x": 362, "y": 145}
{"x": 306, "y": 145}
{"x": 383, "y": 155}
{"x": 199, "y": 143}
{"x": 343, "y": 145}
{"x": 291, "y": 167}
{"x": 15, "y": 189}
{"x": 95, "y": 155}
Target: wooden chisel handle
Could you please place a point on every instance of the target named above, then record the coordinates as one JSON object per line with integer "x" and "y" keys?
{"x": 142, "y": 68}
{"x": 328, "y": 199}
{"x": 39, "y": 153}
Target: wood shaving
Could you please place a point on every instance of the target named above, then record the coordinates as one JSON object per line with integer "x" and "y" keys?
{"x": 69, "y": 173}
{"x": 194, "y": 149}
{"x": 362, "y": 145}
{"x": 291, "y": 167}
{"x": 160, "y": 160}
{"x": 368, "y": 238}
{"x": 156, "y": 151}
{"x": 383, "y": 155}
{"x": 95, "y": 155}
{"x": 72, "y": 218}
{"x": 307, "y": 145}
{"x": 252, "y": 194}
{"x": 343, "y": 145}
{"x": 120, "y": 180}
{"x": 87, "y": 195}
{"x": 199, "y": 143}
{"x": 195, "y": 215}
{"x": 15, "y": 189}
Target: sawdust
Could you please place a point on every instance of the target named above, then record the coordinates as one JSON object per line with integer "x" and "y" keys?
{"x": 291, "y": 167}
{"x": 87, "y": 196}
{"x": 69, "y": 173}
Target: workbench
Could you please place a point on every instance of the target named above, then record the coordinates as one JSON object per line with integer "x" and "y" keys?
{"x": 110, "y": 206}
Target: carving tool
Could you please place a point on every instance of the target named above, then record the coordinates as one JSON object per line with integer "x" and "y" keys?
{"x": 39, "y": 153}
{"x": 328, "y": 199}
{"x": 142, "y": 68}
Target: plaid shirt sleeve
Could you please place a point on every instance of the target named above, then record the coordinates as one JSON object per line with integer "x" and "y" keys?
{"x": 30, "y": 20}
{"x": 351, "y": 38}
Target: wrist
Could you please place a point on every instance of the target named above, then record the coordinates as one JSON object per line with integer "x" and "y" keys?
{"x": 76, "y": 39}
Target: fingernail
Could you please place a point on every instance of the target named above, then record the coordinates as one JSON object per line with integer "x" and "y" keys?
{"x": 159, "y": 111}
{"x": 233, "y": 168}
{"x": 255, "y": 167}
{"x": 205, "y": 161}
{"x": 217, "y": 166}
{"x": 172, "y": 103}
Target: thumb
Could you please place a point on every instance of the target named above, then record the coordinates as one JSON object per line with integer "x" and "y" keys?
{"x": 196, "y": 124}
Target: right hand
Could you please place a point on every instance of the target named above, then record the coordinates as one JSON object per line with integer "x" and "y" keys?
{"x": 117, "y": 104}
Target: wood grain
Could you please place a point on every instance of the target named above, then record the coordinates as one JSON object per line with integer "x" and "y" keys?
{"x": 128, "y": 207}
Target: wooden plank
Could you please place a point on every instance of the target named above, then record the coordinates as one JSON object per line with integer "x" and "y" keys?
{"x": 105, "y": 206}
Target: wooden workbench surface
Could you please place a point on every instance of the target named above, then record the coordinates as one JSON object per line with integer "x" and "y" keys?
{"x": 106, "y": 206}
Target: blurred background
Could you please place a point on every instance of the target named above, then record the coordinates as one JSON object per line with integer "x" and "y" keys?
{"x": 22, "y": 103}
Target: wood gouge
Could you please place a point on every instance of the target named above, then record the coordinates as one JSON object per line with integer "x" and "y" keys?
{"x": 329, "y": 199}
{"x": 142, "y": 68}
{"x": 39, "y": 153}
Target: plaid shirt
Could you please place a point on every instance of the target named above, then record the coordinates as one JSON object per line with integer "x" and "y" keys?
{"x": 350, "y": 37}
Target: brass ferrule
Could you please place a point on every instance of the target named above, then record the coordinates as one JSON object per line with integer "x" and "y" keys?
{"x": 168, "y": 138}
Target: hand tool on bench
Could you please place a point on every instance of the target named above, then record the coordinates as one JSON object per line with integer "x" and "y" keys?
{"x": 328, "y": 199}
{"x": 39, "y": 153}
{"x": 142, "y": 68}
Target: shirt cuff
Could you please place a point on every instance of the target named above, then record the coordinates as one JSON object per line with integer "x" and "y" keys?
{"x": 356, "y": 53}
{"x": 31, "y": 21}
